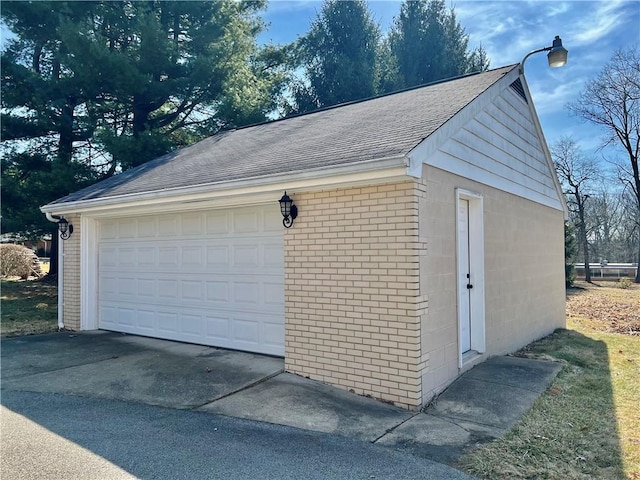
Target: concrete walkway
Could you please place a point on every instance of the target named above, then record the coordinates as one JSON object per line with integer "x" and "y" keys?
{"x": 482, "y": 404}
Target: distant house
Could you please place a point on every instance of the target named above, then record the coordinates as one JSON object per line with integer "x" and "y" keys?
{"x": 429, "y": 237}
{"x": 42, "y": 246}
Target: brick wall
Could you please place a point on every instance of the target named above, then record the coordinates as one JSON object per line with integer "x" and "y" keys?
{"x": 71, "y": 271}
{"x": 352, "y": 291}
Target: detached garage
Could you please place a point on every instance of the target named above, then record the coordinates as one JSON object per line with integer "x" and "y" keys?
{"x": 429, "y": 237}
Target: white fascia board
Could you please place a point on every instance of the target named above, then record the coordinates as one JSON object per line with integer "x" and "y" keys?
{"x": 240, "y": 192}
{"x": 545, "y": 147}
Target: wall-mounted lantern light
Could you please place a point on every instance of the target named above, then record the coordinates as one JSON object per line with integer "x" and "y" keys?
{"x": 65, "y": 228}
{"x": 557, "y": 56}
{"x": 288, "y": 209}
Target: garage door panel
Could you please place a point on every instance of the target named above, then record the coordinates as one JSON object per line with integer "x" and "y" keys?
{"x": 108, "y": 257}
{"x": 146, "y": 320}
{"x": 192, "y": 257}
{"x": 218, "y": 291}
{"x": 245, "y": 221}
{"x": 244, "y": 253}
{"x": 191, "y": 291}
{"x": 168, "y": 324}
{"x": 192, "y": 224}
{"x": 168, "y": 256}
{"x": 147, "y": 228}
{"x": 147, "y": 288}
{"x": 245, "y": 330}
{"x": 211, "y": 277}
{"x": 127, "y": 287}
{"x": 272, "y": 221}
{"x": 147, "y": 256}
{"x": 245, "y": 256}
{"x": 273, "y": 332}
{"x": 273, "y": 293}
{"x": 246, "y": 293}
{"x": 168, "y": 226}
{"x": 218, "y": 256}
{"x": 218, "y": 328}
{"x": 108, "y": 317}
{"x": 127, "y": 317}
{"x": 217, "y": 223}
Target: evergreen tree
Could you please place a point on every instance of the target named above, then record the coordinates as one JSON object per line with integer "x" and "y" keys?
{"x": 339, "y": 55}
{"x": 478, "y": 60}
{"x": 570, "y": 252}
{"x": 90, "y": 88}
{"x": 429, "y": 44}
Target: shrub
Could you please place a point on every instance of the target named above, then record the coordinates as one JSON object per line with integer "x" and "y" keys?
{"x": 18, "y": 261}
{"x": 625, "y": 283}
{"x": 569, "y": 274}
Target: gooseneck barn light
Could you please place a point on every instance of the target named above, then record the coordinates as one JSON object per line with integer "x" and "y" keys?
{"x": 288, "y": 209}
{"x": 557, "y": 56}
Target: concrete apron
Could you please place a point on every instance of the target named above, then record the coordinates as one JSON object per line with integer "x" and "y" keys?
{"x": 481, "y": 405}
{"x": 130, "y": 368}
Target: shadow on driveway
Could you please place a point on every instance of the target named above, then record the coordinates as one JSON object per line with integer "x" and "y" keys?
{"x": 130, "y": 368}
{"x": 91, "y": 405}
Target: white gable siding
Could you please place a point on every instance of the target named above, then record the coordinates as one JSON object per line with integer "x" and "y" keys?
{"x": 500, "y": 147}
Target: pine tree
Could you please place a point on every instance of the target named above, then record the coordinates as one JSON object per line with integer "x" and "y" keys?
{"x": 339, "y": 55}
{"x": 429, "y": 44}
{"x": 92, "y": 88}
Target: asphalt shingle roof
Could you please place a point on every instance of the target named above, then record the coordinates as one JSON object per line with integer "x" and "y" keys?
{"x": 382, "y": 127}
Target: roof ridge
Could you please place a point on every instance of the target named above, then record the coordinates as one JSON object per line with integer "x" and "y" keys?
{"x": 367, "y": 99}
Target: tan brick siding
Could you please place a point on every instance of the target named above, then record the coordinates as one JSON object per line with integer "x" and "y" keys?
{"x": 524, "y": 273}
{"x": 71, "y": 270}
{"x": 352, "y": 281}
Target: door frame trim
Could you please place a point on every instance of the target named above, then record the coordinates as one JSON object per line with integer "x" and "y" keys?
{"x": 476, "y": 263}
{"x": 88, "y": 273}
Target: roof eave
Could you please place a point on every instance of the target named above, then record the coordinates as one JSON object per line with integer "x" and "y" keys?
{"x": 238, "y": 192}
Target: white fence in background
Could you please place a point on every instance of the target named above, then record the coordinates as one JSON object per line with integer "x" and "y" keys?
{"x": 608, "y": 271}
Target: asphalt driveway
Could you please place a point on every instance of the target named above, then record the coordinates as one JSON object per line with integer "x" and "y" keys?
{"x": 99, "y": 397}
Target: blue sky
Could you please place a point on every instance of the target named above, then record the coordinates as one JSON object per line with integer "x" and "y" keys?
{"x": 591, "y": 30}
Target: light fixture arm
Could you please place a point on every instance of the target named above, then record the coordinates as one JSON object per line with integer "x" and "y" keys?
{"x": 545, "y": 49}
{"x": 557, "y": 56}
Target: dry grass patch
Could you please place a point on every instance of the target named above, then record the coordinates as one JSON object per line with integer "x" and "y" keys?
{"x": 605, "y": 306}
{"x": 586, "y": 425}
{"x": 28, "y": 307}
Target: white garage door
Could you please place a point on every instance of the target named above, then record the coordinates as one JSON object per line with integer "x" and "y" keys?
{"x": 213, "y": 277}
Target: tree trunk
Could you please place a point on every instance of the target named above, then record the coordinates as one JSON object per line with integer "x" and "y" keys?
{"x": 584, "y": 241}
{"x": 637, "y": 279}
{"x": 53, "y": 256}
{"x": 65, "y": 129}
{"x": 585, "y": 250}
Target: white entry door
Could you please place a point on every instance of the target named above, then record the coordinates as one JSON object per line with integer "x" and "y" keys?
{"x": 211, "y": 277}
{"x": 464, "y": 276}
{"x": 470, "y": 273}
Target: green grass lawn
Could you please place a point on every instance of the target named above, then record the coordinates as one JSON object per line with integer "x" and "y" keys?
{"x": 28, "y": 307}
{"x": 587, "y": 424}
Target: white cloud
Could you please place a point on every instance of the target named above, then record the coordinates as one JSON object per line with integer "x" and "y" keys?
{"x": 551, "y": 98}
{"x": 603, "y": 19}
